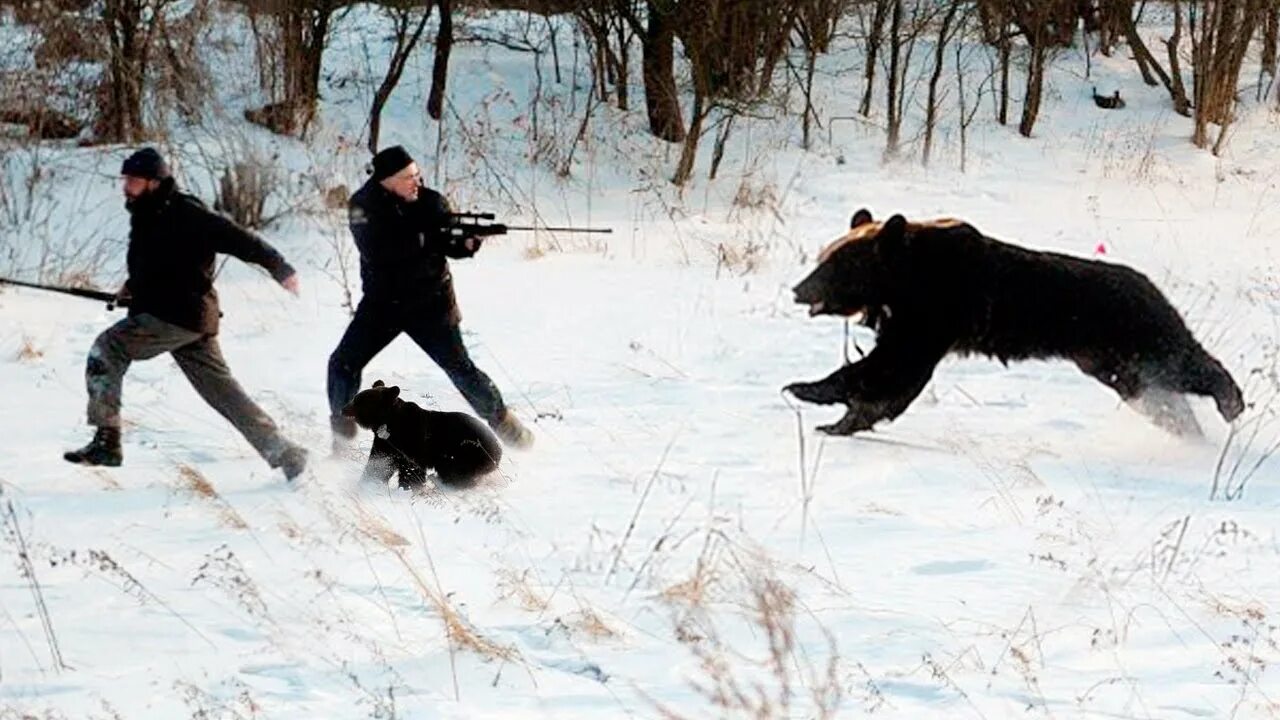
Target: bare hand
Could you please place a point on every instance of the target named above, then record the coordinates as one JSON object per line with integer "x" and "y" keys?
{"x": 291, "y": 284}
{"x": 472, "y": 244}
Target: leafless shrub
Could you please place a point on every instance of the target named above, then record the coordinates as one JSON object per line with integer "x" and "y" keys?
{"x": 222, "y": 569}
{"x": 767, "y": 686}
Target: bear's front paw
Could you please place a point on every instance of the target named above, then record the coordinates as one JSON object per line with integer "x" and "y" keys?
{"x": 821, "y": 393}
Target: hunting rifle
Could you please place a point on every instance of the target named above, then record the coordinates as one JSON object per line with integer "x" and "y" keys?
{"x": 110, "y": 299}
{"x": 465, "y": 224}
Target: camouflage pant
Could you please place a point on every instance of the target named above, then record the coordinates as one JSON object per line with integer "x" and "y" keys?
{"x": 141, "y": 337}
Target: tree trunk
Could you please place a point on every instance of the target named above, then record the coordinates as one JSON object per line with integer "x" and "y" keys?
{"x": 1035, "y": 88}
{"x": 405, "y": 43}
{"x": 811, "y": 62}
{"x": 120, "y": 93}
{"x": 873, "y": 52}
{"x": 624, "y": 64}
{"x": 1219, "y": 48}
{"x": 1005, "y": 50}
{"x": 1173, "y": 81}
{"x": 895, "y": 52}
{"x": 931, "y": 108}
{"x": 440, "y": 67}
{"x": 658, "y": 67}
{"x": 717, "y": 151}
{"x": 1147, "y": 63}
{"x": 689, "y": 151}
{"x": 1270, "y": 38}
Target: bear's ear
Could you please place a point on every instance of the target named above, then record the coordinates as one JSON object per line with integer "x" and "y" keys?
{"x": 393, "y": 392}
{"x": 378, "y": 383}
{"x": 862, "y": 217}
{"x": 894, "y": 230}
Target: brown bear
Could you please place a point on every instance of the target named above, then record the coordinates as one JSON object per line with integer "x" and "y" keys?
{"x": 410, "y": 440}
{"x": 930, "y": 289}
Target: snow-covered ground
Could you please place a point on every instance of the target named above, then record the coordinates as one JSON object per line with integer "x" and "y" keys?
{"x": 1019, "y": 543}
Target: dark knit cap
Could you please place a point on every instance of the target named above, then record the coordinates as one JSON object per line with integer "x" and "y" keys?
{"x": 390, "y": 161}
{"x": 145, "y": 163}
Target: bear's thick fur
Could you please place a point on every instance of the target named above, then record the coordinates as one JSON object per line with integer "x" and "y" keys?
{"x": 929, "y": 289}
{"x": 411, "y": 440}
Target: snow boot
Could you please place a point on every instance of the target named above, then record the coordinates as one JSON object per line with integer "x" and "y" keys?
{"x": 510, "y": 430}
{"x": 292, "y": 461}
{"x": 103, "y": 449}
{"x": 344, "y": 436}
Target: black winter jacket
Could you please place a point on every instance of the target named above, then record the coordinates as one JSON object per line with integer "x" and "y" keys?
{"x": 173, "y": 239}
{"x": 403, "y": 249}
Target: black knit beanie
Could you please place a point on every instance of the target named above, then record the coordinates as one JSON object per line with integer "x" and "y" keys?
{"x": 390, "y": 161}
{"x": 145, "y": 163}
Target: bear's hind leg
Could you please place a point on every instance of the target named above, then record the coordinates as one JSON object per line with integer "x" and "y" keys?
{"x": 1145, "y": 393}
{"x": 1200, "y": 373}
{"x": 1168, "y": 410}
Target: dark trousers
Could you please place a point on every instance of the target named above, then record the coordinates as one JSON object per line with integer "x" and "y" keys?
{"x": 143, "y": 336}
{"x": 375, "y": 326}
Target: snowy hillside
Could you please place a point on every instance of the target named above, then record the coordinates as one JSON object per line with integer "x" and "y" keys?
{"x": 679, "y": 542}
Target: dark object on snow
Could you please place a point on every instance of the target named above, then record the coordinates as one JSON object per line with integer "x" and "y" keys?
{"x": 942, "y": 287}
{"x": 404, "y": 247}
{"x": 1115, "y": 102}
{"x": 111, "y": 299}
{"x": 411, "y": 440}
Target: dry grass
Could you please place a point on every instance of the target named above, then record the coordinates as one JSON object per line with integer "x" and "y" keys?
{"x": 377, "y": 530}
{"x": 28, "y": 352}
{"x": 197, "y": 484}
{"x": 516, "y": 585}
{"x": 589, "y": 622}
{"x": 766, "y": 686}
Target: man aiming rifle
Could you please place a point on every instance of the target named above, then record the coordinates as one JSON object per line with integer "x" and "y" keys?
{"x": 405, "y": 234}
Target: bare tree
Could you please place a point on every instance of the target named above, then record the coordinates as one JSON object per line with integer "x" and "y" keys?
{"x": 406, "y": 37}
{"x": 815, "y": 26}
{"x": 946, "y": 31}
{"x": 1045, "y": 25}
{"x": 875, "y": 36}
{"x": 733, "y": 47}
{"x": 130, "y": 28}
{"x": 1220, "y": 36}
{"x": 293, "y": 63}
{"x": 440, "y": 67}
{"x": 994, "y": 18}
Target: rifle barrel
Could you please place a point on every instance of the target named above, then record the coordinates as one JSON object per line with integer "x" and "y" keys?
{"x": 79, "y": 292}
{"x": 560, "y": 229}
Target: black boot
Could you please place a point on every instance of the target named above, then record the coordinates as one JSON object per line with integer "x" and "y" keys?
{"x": 103, "y": 449}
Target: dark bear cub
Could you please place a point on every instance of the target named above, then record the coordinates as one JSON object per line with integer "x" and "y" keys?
{"x": 930, "y": 289}
{"x": 411, "y": 440}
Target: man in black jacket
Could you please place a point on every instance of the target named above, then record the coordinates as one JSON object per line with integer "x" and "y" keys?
{"x": 173, "y": 308}
{"x": 400, "y": 229}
